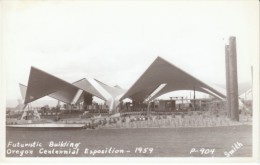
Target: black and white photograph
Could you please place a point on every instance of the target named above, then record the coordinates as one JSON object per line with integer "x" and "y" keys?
{"x": 130, "y": 79}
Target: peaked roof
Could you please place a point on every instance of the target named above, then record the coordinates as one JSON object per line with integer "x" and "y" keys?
{"x": 242, "y": 87}
{"x": 41, "y": 84}
{"x": 85, "y": 85}
{"x": 113, "y": 91}
{"x": 23, "y": 90}
{"x": 162, "y": 72}
{"x": 65, "y": 95}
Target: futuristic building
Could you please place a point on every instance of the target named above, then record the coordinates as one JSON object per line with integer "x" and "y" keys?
{"x": 162, "y": 77}
{"x": 159, "y": 78}
{"x": 42, "y": 84}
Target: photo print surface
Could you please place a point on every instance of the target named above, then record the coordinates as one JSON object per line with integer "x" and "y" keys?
{"x": 130, "y": 79}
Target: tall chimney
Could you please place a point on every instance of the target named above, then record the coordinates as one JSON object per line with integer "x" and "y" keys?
{"x": 234, "y": 108}
{"x": 227, "y": 80}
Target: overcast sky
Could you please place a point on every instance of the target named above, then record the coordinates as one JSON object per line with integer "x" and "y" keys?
{"x": 115, "y": 42}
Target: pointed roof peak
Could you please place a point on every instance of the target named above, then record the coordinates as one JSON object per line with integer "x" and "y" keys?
{"x": 162, "y": 71}
{"x": 159, "y": 57}
{"x": 79, "y": 80}
{"x": 41, "y": 84}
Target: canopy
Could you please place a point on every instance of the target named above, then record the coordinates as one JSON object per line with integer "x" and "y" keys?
{"x": 42, "y": 84}
{"x": 162, "y": 77}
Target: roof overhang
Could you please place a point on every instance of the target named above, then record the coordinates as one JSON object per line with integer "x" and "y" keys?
{"x": 163, "y": 72}
{"x": 42, "y": 84}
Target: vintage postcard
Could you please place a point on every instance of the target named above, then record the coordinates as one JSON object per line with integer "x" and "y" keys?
{"x": 129, "y": 80}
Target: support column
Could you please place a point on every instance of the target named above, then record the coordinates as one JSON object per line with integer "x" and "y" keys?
{"x": 194, "y": 98}
{"x": 25, "y": 112}
{"x": 148, "y": 108}
{"x": 233, "y": 80}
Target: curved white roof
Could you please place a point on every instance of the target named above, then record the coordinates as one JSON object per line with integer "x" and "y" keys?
{"x": 42, "y": 84}
{"x": 159, "y": 78}
{"x": 162, "y": 72}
